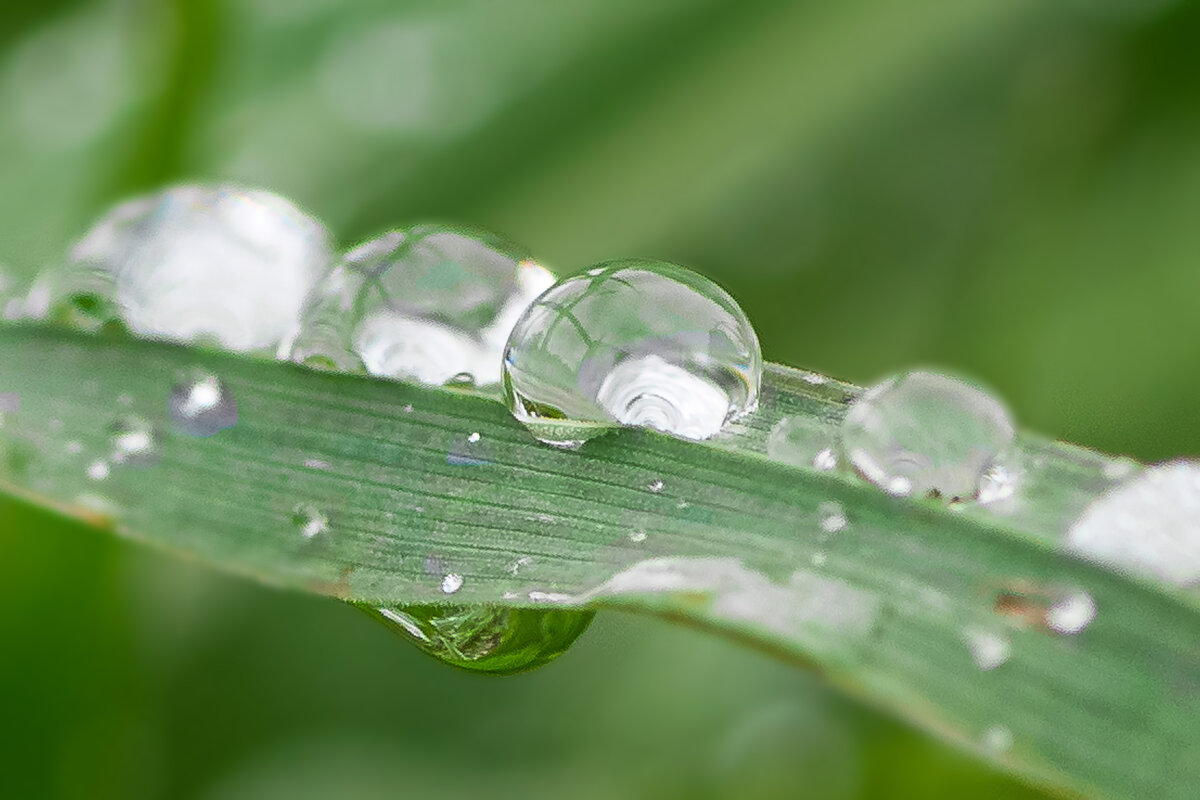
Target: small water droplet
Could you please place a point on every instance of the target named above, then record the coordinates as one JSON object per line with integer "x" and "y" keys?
{"x": 429, "y": 303}
{"x": 633, "y": 342}
{"x": 310, "y": 520}
{"x": 97, "y": 470}
{"x": 516, "y": 566}
{"x": 819, "y": 559}
{"x": 201, "y": 405}
{"x": 133, "y": 441}
{"x": 833, "y": 518}
{"x": 451, "y": 583}
{"x": 192, "y": 264}
{"x": 656, "y": 486}
{"x": 316, "y": 463}
{"x": 499, "y": 641}
{"x": 1148, "y": 524}
{"x": 803, "y": 442}
{"x": 997, "y": 739}
{"x": 637, "y": 537}
{"x": 408, "y": 409}
{"x": 989, "y": 649}
{"x": 926, "y": 434}
{"x": 473, "y": 438}
{"x": 1071, "y": 614}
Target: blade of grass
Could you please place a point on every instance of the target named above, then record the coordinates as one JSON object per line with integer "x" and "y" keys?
{"x": 887, "y": 607}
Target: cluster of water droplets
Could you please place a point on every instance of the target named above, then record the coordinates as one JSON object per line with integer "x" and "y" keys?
{"x": 627, "y": 343}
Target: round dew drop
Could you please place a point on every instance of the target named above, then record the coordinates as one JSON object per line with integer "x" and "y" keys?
{"x": 430, "y": 303}
{"x": 926, "y": 434}
{"x": 134, "y": 441}
{"x": 632, "y": 342}
{"x": 220, "y": 264}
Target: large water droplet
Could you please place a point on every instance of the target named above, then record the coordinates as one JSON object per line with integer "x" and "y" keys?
{"x": 193, "y": 264}
{"x": 1148, "y": 524}
{"x": 922, "y": 433}
{"x": 632, "y": 342}
{"x": 134, "y": 441}
{"x": 487, "y": 639}
{"x": 200, "y": 404}
{"x": 430, "y": 303}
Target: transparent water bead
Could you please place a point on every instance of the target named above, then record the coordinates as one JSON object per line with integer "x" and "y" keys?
{"x": 309, "y": 520}
{"x": 499, "y": 641}
{"x": 632, "y": 342}
{"x": 429, "y": 303}
{"x": 1148, "y": 524}
{"x": 221, "y": 264}
{"x": 134, "y": 441}
{"x": 200, "y": 404}
{"x": 926, "y": 434}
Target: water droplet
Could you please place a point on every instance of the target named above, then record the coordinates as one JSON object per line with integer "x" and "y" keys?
{"x": 637, "y": 537}
{"x": 451, "y": 583}
{"x": 1149, "y": 524}
{"x": 430, "y": 303}
{"x": 97, "y": 470}
{"x": 1071, "y": 614}
{"x": 833, "y": 518}
{"x": 988, "y": 649}
{"x": 192, "y": 264}
{"x": 633, "y": 342}
{"x": 997, "y": 484}
{"x": 133, "y": 440}
{"x": 803, "y": 442}
{"x": 201, "y": 405}
{"x": 656, "y": 486}
{"x": 926, "y": 434}
{"x": 310, "y": 520}
{"x": 516, "y": 566}
{"x": 997, "y": 739}
{"x": 819, "y": 559}
{"x": 500, "y": 641}
{"x": 473, "y": 438}
{"x": 316, "y": 463}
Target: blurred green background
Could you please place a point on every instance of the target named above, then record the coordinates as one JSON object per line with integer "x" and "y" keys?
{"x": 1009, "y": 188}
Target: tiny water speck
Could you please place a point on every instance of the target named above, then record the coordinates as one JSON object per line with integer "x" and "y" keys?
{"x": 74, "y": 448}
{"x": 997, "y": 739}
{"x": 833, "y": 517}
{"x": 926, "y": 434}
{"x": 516, "y": 566}
{"x": 97, "y": 470}
{"x": 473, "y": 438}
{"x": 819, "y": 559}
{"x": 310, "y": 520}
{"x": 1071, "y": 614}
{"x": 316, "y": 463}
{"x": 656, "y": 486}
{"x": 133, "y": 441}
{"x": 200, "y": 404}
{"x": 989, "y": 649}
{"x": 451, "y": 583}
{"x": 637, "y": 537}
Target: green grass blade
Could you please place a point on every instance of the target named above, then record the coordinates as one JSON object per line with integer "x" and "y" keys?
{"x": 718, "y": 534}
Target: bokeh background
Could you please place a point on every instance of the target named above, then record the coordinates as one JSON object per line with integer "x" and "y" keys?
{"x": 1008, "y": 188}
